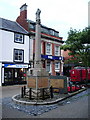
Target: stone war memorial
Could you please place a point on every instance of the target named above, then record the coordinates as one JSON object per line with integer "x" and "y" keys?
{"x": 40, "y": 85}
{"x": 37, "y": 77}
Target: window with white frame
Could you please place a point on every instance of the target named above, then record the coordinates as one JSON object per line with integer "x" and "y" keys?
{"x": 48, "y": 49}
{"x": 48, "y": 67}
{"x": 57, "y": 50}
{"x": 57, "y": 65}
{"x": 19, "y": 38}
{"x": 18, "y": 55}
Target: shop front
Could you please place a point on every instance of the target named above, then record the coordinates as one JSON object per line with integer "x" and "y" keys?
{"x": 14, "y": 74}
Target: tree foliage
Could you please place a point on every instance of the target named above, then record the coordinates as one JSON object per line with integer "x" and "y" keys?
{"x": 78, "y": 42}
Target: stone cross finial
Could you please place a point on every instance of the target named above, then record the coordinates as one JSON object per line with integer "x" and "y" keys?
{"x": 38, "y": 16}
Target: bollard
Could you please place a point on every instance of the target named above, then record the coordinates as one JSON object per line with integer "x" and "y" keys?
{"x": 30, "y": 95}
{"x": 22, "y": 95}
{"x": 51, "y": 91}
{"x": 24, "y": 91}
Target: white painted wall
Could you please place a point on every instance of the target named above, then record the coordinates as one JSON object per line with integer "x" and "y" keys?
{"x": 26, "y": 49}
{"x": 0, "y": 73}
{"x": 9, "y": 45}
{"x": 0, "y": 46}
{"x": 31, "y": 49}
{"x": 0, "y": 56}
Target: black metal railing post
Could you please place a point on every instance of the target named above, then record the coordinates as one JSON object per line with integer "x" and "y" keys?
{"x": 51, "y": 91}
{"x": 30, "y": 93}
{"x": 43, "y": 93}
{"x": 24, "y": 91}
{"x": 22, "y": 95}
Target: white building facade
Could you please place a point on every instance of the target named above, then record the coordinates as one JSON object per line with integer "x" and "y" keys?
{"x": 14, "y": 53}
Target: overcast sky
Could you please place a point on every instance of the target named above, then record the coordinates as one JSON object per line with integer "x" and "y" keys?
{"x": 60, "y": 15}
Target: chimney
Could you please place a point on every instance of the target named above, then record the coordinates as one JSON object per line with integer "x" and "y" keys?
{"x": 22, "y": 19}
{"x": 23, "y": 11}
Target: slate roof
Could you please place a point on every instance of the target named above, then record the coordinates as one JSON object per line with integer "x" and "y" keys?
{"x": 11, "y": 26}
{"x": 42, "y": 25}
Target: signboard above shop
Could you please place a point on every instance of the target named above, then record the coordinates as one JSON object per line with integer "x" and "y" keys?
{"x": 52, "y": 57}
{"x": 15, "y": 66}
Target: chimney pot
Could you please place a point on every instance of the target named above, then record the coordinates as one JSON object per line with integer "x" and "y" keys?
{"x": 23, "y": 7}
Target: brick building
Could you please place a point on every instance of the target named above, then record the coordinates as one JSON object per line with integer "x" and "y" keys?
{"x": 50, "y": 44}
{"x": 66, "y": 66}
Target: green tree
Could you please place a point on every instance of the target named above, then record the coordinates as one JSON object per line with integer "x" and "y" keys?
{"x": 78, "y": 42}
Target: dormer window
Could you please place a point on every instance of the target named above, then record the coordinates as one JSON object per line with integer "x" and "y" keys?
{"x": 51, "y": 32}
{"x": 45, "y": 30}
{"x": 18, "y": 38}
{"x": 56, "y": 34}
{"x": 31, "y": 26}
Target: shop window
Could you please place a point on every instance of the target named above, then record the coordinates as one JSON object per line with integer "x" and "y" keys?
{"x": 57, "y": 50}
{"x": 48, "y": 49}
{"x": 18, "y": 55}
{"x": 18, "y": 38}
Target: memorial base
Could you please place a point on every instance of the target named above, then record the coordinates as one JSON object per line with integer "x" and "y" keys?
{"x": 38, "y": 81}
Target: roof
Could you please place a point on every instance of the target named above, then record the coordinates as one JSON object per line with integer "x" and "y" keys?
{"x": 42, "y": 25}
{"x": 11, "y": 26}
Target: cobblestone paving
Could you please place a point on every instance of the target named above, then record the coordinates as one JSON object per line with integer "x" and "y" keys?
{"x": 30, "y": 109}
{"x": 36, "y": 110}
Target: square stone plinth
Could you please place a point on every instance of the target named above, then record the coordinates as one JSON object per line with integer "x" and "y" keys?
{"x": 37, "y": 82}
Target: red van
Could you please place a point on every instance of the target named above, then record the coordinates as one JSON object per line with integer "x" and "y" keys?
{"x": 75, "y": 75}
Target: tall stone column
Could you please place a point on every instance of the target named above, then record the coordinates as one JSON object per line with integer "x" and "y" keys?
{"x": 38, "y": 69}
{"x": 37, "y": 62}
{"x": 39, "y": 77}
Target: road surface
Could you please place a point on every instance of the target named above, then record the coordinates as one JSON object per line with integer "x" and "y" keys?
{"x": 74, "y": 107}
